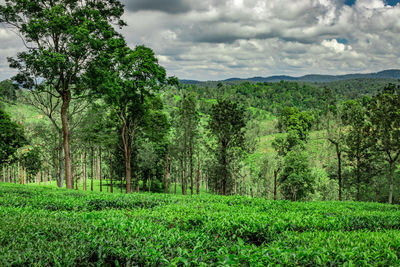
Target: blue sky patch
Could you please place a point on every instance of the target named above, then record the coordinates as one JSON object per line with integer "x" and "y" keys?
{"x": 349, "y": 2}
{"x": 342, "y": 41}
{"x": 391, "y": 2}
{"x": 387, "y": 2}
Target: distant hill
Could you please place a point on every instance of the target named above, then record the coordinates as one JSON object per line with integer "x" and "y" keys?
{"x": 316, "y": 78}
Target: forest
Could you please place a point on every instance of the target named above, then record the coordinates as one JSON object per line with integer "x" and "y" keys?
{"x": 210, "y": 173}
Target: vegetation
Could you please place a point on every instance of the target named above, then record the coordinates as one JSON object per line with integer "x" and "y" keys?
{"x": 90, "y": 113}
{"x": 40, "y": 226}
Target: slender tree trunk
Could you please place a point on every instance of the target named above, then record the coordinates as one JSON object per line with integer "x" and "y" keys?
{"x": 191, "y": 167}
{"x": 92, "y": 169}
{"x": 84, "y": 171}
{"x": 176, "y": 176}
{"x": 225, "y": 170}
{"x": 8, "y": 174}
{"x": 339, "y": 167}
{"x": 127, "y": 155}
{"x": 166, "y": 174}
{"x": 391, "y": 171}
{"x": 111, "y": 179}
{"x": 198, "y": 174}
{"x": 358, "y": 180}
{"x": 66, "y": 99}
{"x": 276, "y": 183}
{"x": 149, "y": 181}
{"x": 100, "y": 174}
{"x": 183, "y": 178}
{"x": 60, "y": 174}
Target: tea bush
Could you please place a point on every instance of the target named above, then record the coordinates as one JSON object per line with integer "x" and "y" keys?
{"x": 42, "y": 226}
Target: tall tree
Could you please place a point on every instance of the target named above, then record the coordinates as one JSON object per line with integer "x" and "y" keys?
{"x": 188, "y": 123}
{"x": 384, "y": 113}
{"x": 131, "y": 76}
{"x": 62, "y": 37}
{"x": 357, "y": 140}
{"x": 226, "y": 124}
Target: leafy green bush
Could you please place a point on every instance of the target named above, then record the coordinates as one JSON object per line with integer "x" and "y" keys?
{"x": 47, "y": 226}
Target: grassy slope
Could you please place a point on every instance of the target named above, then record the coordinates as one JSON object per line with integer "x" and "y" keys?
{"x": 49, "y": 226}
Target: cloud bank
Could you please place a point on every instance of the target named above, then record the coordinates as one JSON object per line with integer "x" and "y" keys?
{"x": 213, "y": 39}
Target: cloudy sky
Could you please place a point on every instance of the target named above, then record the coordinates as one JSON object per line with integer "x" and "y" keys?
{"x": 217, "y": 39}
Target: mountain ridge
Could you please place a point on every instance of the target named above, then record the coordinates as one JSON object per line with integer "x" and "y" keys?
{"x": 317, "y": 78}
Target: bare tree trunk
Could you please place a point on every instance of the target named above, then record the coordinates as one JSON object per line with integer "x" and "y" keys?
{"x": 198, "y": 173}
{"x": 191, "y": 167}
{"x": 391, "y": 171}
{"x": 276, "y": 183}
{"x": 166, "y": 174}
{"x": 8, "y": 174}
{"x": 183, "y": 178}
{"x": 176, "y": 176}
{"x": 84, "y": 171}
{"x": 99, "y": 161}
{"x": 66, "y": 99}
{"x": 60, "y": 174}
{"x": 92, "y": 169}
{"x": 339, "y": 157}
{"x": 149, "y": 181}
{"x": 111, "y": 179}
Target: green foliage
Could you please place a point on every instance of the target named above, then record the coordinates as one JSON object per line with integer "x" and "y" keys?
{"x": 226, "y": 126}
{"x": 32, "y": 161}
{"x": 11, "y": 137}
{"x": 296, "y": 179}
{"x": 384, "y": 113}
{"x": 8, "y": 91}
{"x": 44, "y": 226}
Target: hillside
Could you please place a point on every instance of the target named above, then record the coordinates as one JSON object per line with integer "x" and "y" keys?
{"x": 46, "y": 226}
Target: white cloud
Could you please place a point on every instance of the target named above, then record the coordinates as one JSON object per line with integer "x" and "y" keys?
{"x": 216, "y": 39}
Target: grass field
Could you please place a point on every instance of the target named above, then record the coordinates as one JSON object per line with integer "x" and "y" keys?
{"x": 55, "y": 227}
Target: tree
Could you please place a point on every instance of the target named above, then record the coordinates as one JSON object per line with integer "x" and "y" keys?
{"x": 357, "y": 140}
{"x": 296, "y": 178}
{"x": 8, "y": 91}
{"x": 226, "y": 124}
{"x": 127, "y": 78}
{"x": 297, "y": 126}
{"x": 63, "y": 38}
{"x": 188, "y": 126}
{"x": 11, "y": 137}
{"x": 334, "y": 131}
{"x": 384, "y": 113}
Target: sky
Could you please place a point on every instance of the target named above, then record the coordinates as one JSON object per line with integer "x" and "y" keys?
{"x": 217, "y": 39}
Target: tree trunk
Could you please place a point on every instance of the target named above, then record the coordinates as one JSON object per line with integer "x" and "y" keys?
{"x": 60, "y": 173}
{"x": 66, "y": 99}
{"x": 99, "y": 161}
{"x": 111, "y": 184}
{"x": 127, "y": 155}
{"x": 166, "y": 174}
{"x": 84, "y": 171}
{"x": 8, "y": 174}
{"x": 391, "y": 171}
{"x": 225, "y": 170}
{"x": 275, "y": 183}
{"x": 191, "y": 167}
{"x": 198, "y": 174}
{"x": 183, "y": 178}
{"x": 339, "y": 171}
{"x": 92, "y": 169}
{"x": 358, "y": 180}
{"x": 149, "y": 181}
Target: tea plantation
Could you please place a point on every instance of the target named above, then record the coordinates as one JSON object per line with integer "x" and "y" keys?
{"x": 42, "y": 226}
